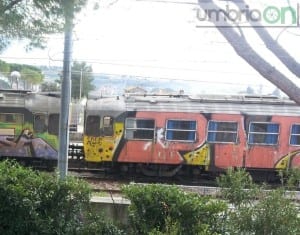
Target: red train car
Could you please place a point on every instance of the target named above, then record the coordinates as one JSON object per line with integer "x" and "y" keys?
{"x": 165, "y": 135}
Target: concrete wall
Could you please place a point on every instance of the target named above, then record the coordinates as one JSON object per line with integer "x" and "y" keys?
{"x": 115, "y": 208}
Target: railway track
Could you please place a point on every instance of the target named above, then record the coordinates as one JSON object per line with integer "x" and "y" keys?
{"x": 114, "y": 188}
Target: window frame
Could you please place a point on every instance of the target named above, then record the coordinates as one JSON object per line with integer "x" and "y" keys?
{"x": 181, "y": 130}
{"x": 95, "y": 132}
{"x": 54, "y": 123}
{"x": 44, "y": 129}
{"x": 217, "y": 131}
{"x": 291, "y": 134}
{"x": 263, "y": 133}
{"x": 20, "y": 114}
{"x": 139, "y": 129}
{"x": 104, "y": 127}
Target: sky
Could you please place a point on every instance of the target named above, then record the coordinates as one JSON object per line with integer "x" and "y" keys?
{"x": 161, "y": 39}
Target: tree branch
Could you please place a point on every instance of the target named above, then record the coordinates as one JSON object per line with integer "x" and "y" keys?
{"x": 244, "y": 50}
{"x": 11, "y": 5}
{"x": 274, "y": 47}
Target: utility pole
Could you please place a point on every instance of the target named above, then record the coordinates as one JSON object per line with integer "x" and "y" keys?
{"x": 68, "y": 6}
{"x": 80, "y": 84}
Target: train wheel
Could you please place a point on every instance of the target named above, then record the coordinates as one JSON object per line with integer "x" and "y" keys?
{"x": 159, "y": 170}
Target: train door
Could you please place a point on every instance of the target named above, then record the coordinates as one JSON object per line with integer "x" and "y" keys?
{"x": 262, "y": 144}
{"x": 92, "y": 138}
{"x": 53, "y": 124}
{"x": 100, "y": 140}
{"x": 107, "y": 126}
{"x": 44, "y": 141}
{"x": 39, "y": 123}
{"x": 271, "y": 143}
{"x": 140, "y": 137}
{"x": 180, "y": 134}
{"x": 225, "y": 135}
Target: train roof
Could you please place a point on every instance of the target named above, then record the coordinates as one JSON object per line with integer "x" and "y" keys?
{"x": 234, "y": 104}
{"x": 36, "y": 102}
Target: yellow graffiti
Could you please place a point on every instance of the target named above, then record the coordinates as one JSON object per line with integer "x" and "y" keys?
{"x": 284, "y": 162}
{"x": 198, "y": 156}
{"x": 102, "y": 149}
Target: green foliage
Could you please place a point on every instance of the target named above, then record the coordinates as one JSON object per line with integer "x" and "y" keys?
{"x": 37, "y": 203}
{"x": 275, "y": 214}
{"x": 31, "y": 76}
{"x": 157, "y": 208}
{"x": 97, "y": 224}
{"x": 20, "y": 67}
{"x": 81, "y": 79}
{"x": 257, "y": 210}
{"x": 33, "y": 20}
{"x": 233, "y": 185}
{"x": 4, "y": 67}
{"x": 171, "y": 228}
{"x": 292, "y": 177}
{"x": 50, "y": 86}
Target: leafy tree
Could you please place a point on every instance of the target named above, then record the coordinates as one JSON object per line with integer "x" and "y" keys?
{"x": 30, "y": 77}
{"x": 4, "y": 68}
{"x": 4, "y": 71}
{"x": 82, "y": 79}
{"x": 50, "y": 86}
{"x": 32, "y": 20}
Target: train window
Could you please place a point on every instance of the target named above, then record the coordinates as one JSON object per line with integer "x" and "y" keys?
{"x": 181, "y": 130}
{"x": 295, "y": 135}
{"x": 15, "y": 118}
{"x": 53, "y": 123}
{"x": 263, "y": 133}
{"x": 222, "y": 132}
{"x": 39, "y": 124}
{"x": 142, "y": 129}
{"x": 92, "y": 127}
{"x": 107, "y": 128}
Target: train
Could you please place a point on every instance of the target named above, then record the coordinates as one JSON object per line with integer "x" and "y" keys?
{"x": 160, "y": 135}
{"x": 28, "y": 124}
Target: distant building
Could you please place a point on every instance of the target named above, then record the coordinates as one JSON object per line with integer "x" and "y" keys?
{"x": 135, "y": 90}
{"x": 165, "y": 91}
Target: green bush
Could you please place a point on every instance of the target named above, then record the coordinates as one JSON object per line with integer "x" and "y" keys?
{"x": 38, "y": 203}
{"x": 291, "y": 178}
{"x": 156, "y": 208}
{"x": 237, "y": 187}
{"x": 257, "y": 210}
{"x": 96, "y": 224}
